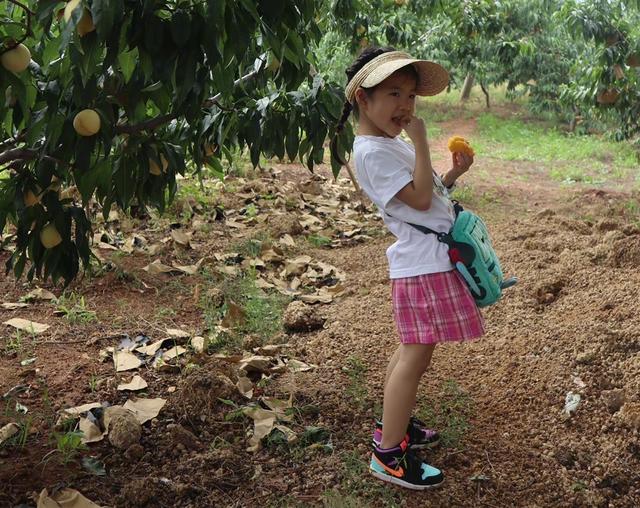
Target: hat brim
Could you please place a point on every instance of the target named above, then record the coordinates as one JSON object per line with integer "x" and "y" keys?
{"x": 432, "y": 77}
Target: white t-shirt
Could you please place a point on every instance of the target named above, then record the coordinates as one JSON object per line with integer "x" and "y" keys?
{"x": 383, "y": 167}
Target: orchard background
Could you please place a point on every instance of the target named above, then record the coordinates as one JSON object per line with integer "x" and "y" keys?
{"x": 169, "y": 208}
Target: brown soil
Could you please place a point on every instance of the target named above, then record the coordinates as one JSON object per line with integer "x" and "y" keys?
{"x": 569, "y": 325}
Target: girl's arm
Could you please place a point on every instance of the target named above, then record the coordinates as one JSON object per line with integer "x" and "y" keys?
{"x": 461, "y": 164}
{"x": 418, "y": 193}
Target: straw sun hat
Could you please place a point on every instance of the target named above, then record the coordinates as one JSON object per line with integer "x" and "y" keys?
{"x": 432, "y": 77}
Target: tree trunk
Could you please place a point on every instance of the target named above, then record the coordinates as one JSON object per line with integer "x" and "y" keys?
{"x": 466, "y": 88}
{"x": 486, "y": 95}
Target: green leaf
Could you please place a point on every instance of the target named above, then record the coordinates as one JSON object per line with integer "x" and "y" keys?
{"x": 127, "y": 61}
{"x": 94, "y": 466}
{"x": 180, "y": 27}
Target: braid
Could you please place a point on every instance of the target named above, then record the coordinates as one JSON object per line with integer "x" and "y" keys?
{"x": 366, "y": 56}
{"x": 346, "y": 111}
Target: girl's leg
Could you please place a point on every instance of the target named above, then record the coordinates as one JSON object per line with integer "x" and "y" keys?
{"x": 392, "y": 365}
{"x": 400, "y": 391}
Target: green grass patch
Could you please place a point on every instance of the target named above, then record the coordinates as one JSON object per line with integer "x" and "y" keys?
{"x": 516, "y": 140}
{"x": 74, "y": 309}
{"x": 357, "y": 388}
{"x": 449, "y": 415}
{"x": 261, "y": 310}
{"x": 318, "y": 240}
{"x": 358, "y": 488}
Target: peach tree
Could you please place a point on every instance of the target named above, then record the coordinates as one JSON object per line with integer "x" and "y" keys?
{"x": 116, "y": 97}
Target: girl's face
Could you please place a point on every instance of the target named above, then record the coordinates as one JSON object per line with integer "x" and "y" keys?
{"x": 389, "y": 107}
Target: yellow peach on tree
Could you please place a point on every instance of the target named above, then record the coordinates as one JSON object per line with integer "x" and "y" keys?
{"x": 50, "y": 237}
{"x": 87, "y": 122}
{"x": 16, "y": 59}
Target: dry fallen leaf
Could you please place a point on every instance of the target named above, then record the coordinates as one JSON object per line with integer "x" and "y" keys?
{"x": 39, "y": 294}
{"x": 264, "y": 420}
{"x": 172, "y": 353}
{"x": 288, "y": 241}
{"x": 10, "y": 429}
{"x": 152, "y": 349}
{"x": 14, "y": 306}
{"x": 65, "y": 498}
{"x": 177, "y": 333}
{"x": 136, "y": 383}
{"x": 74, "y": 412}
{"x": 256, "y": 364}
{"x": 145, "y": 409}
{"x": 198, "y": 344}
{"x": 26, "y": 325}
{"x": 158, "y": 267}
{"x": 245, "y": 386}
{"x": 91, "y": 431}
{"x": 298, "y": 366}
{"x": 124, "y": 360}
{"x": 180, "y": 237}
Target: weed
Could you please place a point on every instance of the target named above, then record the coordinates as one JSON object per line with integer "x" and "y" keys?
{"x": 262, "y": 311}
{"x": 579, "y": 486}
{"x": 463, "y": 193}
{"x": 572, "y": 174}
{"x": 164, "y": 312}
{"x": 74, "y": 309}
{"x": 25, "y": 430}
{"x": 69, "y": 444}
{"x": 251, "y": 210}
{"x": 357, "y": 389}
{"x": 219, "y": 443}
{"x": 291, "y": 204}
{"x": 93, "y": 383}
{"x": 251, "y": 247}
{"x": 15, "y": 345}
{"x": 450, "y": 416}
{"x": 357, "y": 487}
{"x": 319, "y": 240}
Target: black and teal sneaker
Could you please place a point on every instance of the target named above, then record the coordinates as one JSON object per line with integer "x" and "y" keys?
{"x": 401, "y": 466}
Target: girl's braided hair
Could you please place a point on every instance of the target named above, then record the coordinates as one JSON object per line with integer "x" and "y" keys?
{"x": 366, "y": 56}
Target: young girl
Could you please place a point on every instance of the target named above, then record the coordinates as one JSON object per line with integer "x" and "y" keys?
{"x": 431, "y": 302}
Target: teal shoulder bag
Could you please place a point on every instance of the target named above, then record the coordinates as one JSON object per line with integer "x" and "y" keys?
{"x": 471, "y": 252}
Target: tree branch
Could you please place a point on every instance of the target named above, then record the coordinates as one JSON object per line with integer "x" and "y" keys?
{"x": 9, "y": 142}
{"x": 156, "y": 122}
{"x": 17, "y": 154}
{"x": 28, "y": 26}
{"x": 151, "y": 124}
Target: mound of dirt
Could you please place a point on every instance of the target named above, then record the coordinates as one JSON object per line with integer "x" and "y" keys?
{"x": 300, "y": 317}
{"x": 625, "y": 252}
{"x": 200, "y": 390}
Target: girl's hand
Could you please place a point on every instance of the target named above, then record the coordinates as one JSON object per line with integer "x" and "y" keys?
{"x": 461, "y": 162}
{"x": 416, "y": 130}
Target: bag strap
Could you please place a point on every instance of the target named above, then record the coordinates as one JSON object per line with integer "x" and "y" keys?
{"x": 443, "y": 237}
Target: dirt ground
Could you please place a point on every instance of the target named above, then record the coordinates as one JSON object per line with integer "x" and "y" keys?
{"x": 570, "y": 326}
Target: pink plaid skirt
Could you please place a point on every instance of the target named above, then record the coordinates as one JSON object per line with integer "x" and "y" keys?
{"x": 435, "y": 307}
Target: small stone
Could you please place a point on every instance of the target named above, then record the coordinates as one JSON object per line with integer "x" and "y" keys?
{"x": 124, "y": 429}
{"x": 614, "y": 400}
{"x": 630, "y": 415}
{"x": 134, "y": 452}
{"x": 586, "y": 357}
{"x": 300, "y": 317}
{"x": 184, "y": 437}
{"x": 565, "y": 457}
{"x": 607, "y": 225}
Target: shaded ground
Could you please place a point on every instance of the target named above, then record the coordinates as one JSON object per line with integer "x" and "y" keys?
{"x": 570, "y": 325}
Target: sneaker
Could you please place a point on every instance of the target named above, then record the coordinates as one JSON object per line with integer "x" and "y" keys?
{"x": 418, "y": 436}
{"x": 401, "y": 466}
